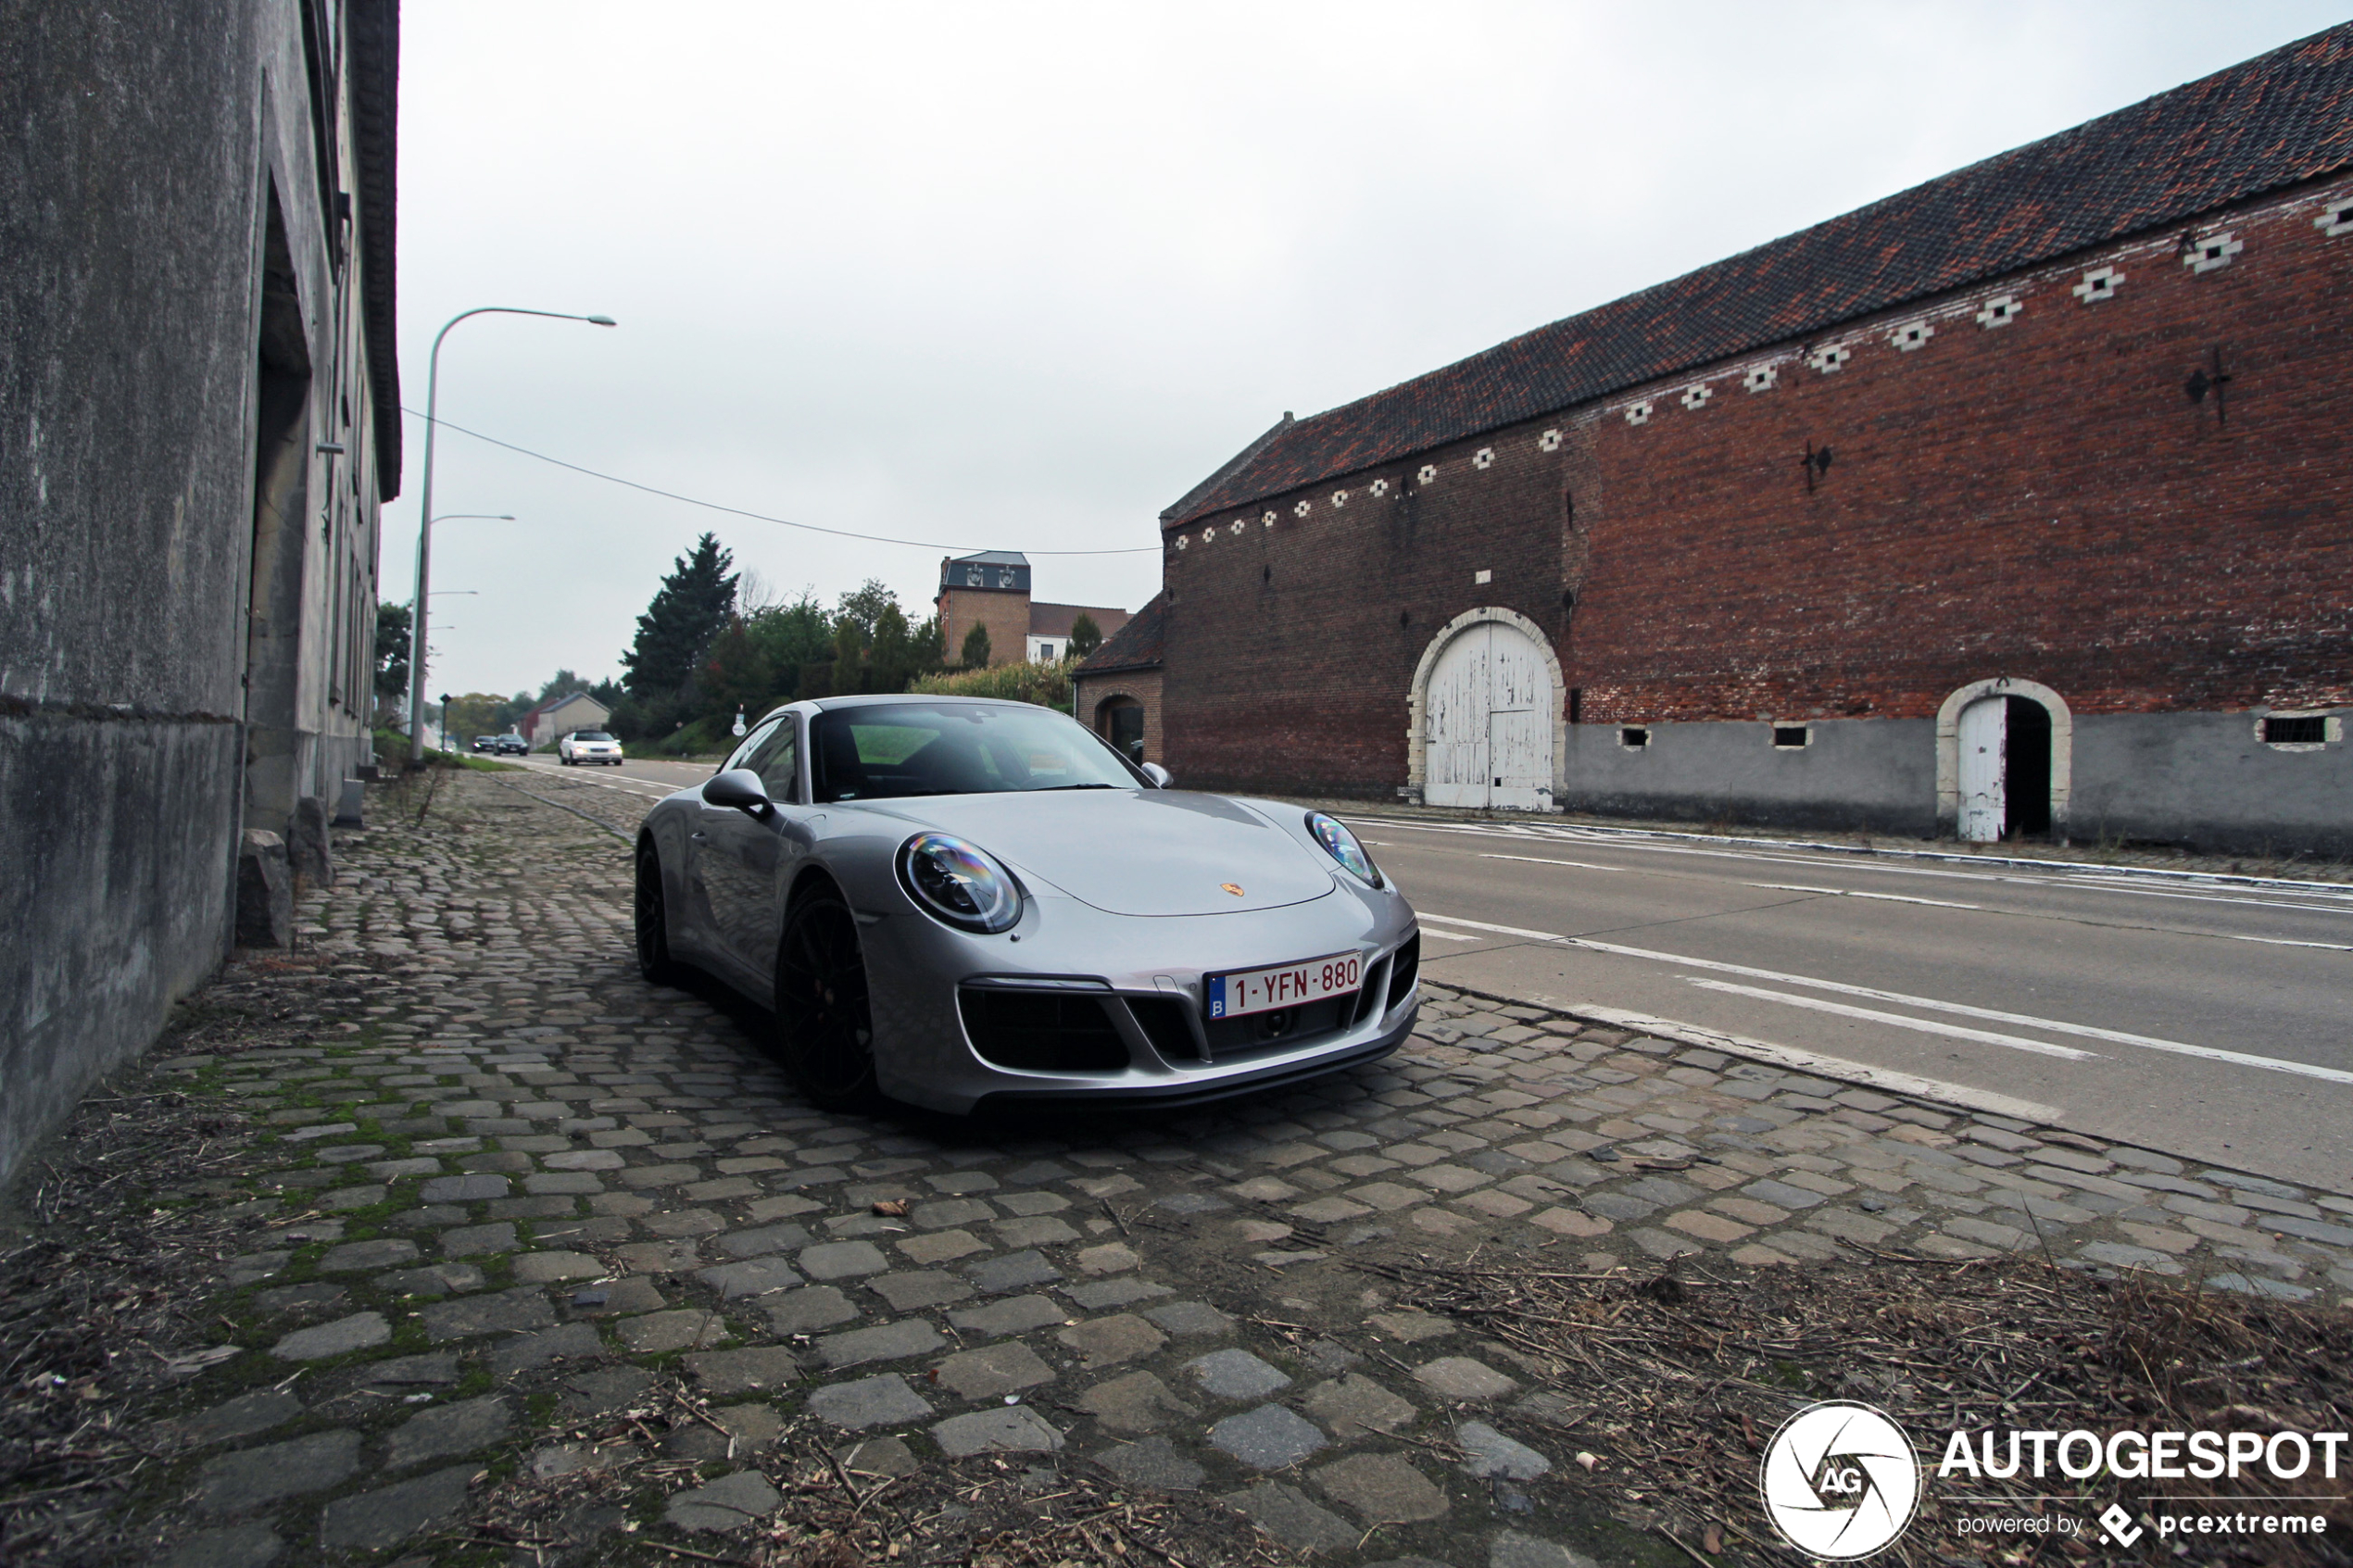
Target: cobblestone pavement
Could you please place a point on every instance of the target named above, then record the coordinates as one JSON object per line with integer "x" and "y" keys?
{"x": 508, "y": 1183}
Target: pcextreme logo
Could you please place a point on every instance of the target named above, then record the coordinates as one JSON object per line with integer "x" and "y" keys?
{"x": 1839, "y": 1480}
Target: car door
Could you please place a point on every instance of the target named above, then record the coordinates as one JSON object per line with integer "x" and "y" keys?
{"x": 706, "y": 872}
{"x": 748, "y": 860}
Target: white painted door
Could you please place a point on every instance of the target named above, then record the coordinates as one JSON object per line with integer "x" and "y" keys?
{"x": 1519, "y": 723}
{"x": 1489, "y": 707}
{"x": 1461, "y": 692}
{"x": 1984, "y": 740}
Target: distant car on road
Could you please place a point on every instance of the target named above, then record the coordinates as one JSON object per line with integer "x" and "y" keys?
{"x": 512, "y": 745}
{"x": 584, "y": 747}
{"x": 485, "y": 743}
{"x": 956, "y": 900}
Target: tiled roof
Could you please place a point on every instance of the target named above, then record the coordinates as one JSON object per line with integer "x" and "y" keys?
{"x": 1055, "y": 621}
{"x": 2276, "y": 120}
{"x": 1135, "y": 646}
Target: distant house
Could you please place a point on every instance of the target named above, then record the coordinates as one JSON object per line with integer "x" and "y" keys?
{"x": 1118, "y": 689}
{"x": 558, "y": 717}
{"x": 991, "y": 589}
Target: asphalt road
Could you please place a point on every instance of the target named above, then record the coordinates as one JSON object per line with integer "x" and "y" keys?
{"x": 2204, "y": 1017}
{"x": 2198, "y": 1016}
{"x": 651, "y": 779}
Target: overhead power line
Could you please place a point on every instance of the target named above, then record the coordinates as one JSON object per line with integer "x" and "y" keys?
{"x": 756, "y": 517}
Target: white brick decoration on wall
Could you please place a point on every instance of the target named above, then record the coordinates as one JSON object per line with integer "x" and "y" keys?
{"x": 2100, "y": 283}
{"x": 1239, "y": 523}
{"x": 1763, "y": 378}
{"x": 2336, "y": 218}
{"x": 1266, "y": 522}
{"x": 1910, "y": 335}
{"x": 1549, "y": 442}
{"x": 1301, "y": 509}
{"x": 1638, "y": 413}
{"x": 1430, "y": 472}
{"x": 2209, "y": 251}
{"x": 1380, "y": 488}
{"x": 1183, "y": 540}
{"x": 2000, "y": 312}
{"x": 1484, "y": 458}
{"x": 1830, "y": 357}
{"x": 1696, "y": 396}
{"x": 1340, "y": 497}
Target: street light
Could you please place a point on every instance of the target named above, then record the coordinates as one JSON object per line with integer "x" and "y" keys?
{"x": 424, "y": 510}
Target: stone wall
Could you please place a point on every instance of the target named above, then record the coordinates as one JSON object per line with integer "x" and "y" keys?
{"x": 187, "y": 579}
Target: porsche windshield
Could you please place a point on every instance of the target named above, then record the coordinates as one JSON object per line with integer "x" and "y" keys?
{"x": 896, "y": 749}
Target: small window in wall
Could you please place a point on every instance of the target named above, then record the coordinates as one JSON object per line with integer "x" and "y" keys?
{"x": 2300, "y": 729}
{"x": 1633, "y": 737}
{"x": 1576, "y": 704}
{"x": 1791, "y": 737}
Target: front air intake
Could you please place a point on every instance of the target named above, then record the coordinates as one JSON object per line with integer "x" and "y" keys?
{"x": 1167, "y": 1023}
{"x": 1041, "y": 1031}
{"x": 1402, "y": 969}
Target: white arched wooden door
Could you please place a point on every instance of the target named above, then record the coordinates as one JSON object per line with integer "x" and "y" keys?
{"x": 1984, "y": 742}
{"x": 1489, "y": 710}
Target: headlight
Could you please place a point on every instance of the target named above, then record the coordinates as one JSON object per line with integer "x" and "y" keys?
{"x": 959, "y": 883}
{"x": 1342, "y": 846}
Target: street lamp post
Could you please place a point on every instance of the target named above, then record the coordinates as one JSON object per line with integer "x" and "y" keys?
{"x": 424, "y": 509}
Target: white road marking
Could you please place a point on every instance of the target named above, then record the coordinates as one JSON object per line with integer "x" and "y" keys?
{"x": 1548, "y": 860}
{"x": 1825, "y": 1066}
{"x": 2089, "y": 879}
{"x": 2146, "y": 1042}
{"x": 1925, "y": 1026}
{"x": 1851, "y": 892}
{"x": 1499, "y": 930}
{"x": 2284, "y": 942}
{"x": 1448, "y": 936}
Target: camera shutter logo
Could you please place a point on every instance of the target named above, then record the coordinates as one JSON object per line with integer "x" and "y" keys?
{"x": 1839, "y": 1480}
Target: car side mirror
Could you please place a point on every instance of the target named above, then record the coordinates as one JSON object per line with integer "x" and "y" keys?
{"x": 1161, "y": 777}
{"x": 740, "y": 787}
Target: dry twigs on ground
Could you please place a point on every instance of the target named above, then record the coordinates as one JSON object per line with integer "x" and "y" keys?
{"x": 1674, "y": 1384}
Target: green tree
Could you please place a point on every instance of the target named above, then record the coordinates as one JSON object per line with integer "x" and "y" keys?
{"x": 1085, "y": 635}
{"x": 563, "y": 683}
{"x": 976, "y": 652}
{"x": 476, "y": 713}
{"x": 693, "y": 606}
{"x": 737, "y": 676}
{"x": 392, "y": 651}
{"x": 864, "y": 609}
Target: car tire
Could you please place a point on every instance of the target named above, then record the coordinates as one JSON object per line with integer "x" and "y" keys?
{"x": 825, "y": 1027}
{"x": 651, "y": 907}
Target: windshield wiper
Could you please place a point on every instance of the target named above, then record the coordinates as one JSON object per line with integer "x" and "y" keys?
{"x": 1048, "y": 789}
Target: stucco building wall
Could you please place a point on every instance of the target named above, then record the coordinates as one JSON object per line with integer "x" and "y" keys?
{"x": 197, "y": 214}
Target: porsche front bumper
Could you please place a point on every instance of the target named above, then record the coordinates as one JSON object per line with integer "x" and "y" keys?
{"x": 1142, "y": 978}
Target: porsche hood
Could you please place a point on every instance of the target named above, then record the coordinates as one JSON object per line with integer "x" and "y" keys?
{"x": 1132, "y": 852}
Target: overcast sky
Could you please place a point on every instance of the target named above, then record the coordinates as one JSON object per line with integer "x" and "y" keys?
{"x": 1016, "y": 277}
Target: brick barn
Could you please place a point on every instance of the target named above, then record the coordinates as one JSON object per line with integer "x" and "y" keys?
{"x": 2012, "y": 503}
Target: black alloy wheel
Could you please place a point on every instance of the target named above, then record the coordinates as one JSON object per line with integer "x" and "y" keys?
{"x": 652, "y": 920}
{"x": 825, "y": 1029}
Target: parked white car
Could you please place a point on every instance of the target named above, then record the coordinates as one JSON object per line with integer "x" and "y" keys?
{"x": 583, "y": 746}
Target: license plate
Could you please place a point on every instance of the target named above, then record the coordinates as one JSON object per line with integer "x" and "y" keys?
{"x": 1263, "y": 990}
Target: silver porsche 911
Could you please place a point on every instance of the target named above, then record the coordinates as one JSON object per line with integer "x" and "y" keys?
{"x": 952, "y": 902}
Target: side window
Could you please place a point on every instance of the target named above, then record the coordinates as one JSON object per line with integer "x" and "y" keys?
{"x": 741, "y": 756}
{"x": 778, "y": 764}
